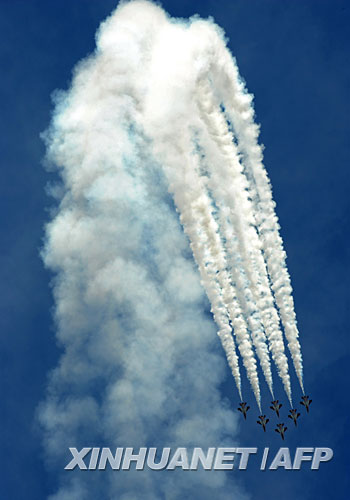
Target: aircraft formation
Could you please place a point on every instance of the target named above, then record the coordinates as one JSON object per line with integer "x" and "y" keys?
{"x": 276, "y": 406}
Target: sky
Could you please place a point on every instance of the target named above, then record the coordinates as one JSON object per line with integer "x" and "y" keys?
{"x": 294, "y": 57}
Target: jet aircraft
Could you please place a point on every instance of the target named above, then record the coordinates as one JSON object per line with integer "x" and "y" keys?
{"x": 306, "y": 401}
{"x": 262, "y": 421}
{"x": 281, "y": 429}
{"x": 276, "y": 405}
{"x": 243, "y": 409}
{"x": 294, "y": 415}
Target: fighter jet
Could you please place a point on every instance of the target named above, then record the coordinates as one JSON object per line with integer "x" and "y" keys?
{"x": 281, "y": 429}
{"x": 276, "y": 405}
{"x": 243, "y": 409}
{"x": 262, "y": 421}
{"x": 306, "y": 401}
{"x": 294, "y": 415}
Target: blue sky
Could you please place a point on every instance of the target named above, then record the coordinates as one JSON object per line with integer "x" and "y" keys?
{"x": 294, "y": 57}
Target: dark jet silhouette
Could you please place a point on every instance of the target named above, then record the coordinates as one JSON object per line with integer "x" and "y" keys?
{"x": 243, "y": 409}
{"x": 306, "y": 401}
{"x": 281, "y": 429}
{"x": 276, "y": 405}
{"x": 262, "y": 421}
{"x": 294, "y": 415}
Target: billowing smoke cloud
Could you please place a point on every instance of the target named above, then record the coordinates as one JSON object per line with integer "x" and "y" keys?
{"x": 157, "y": 122}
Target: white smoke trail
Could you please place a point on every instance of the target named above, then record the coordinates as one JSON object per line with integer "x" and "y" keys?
{"x": 189, "y": 193}
{"x": 219, "y": 272}
{"x": 246, "y": 300}
{"x": 224, "y": 200}
{"x": 242, "y": 216}
{"x": 239, "y": 110}
{"x": 202, "y": 253}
